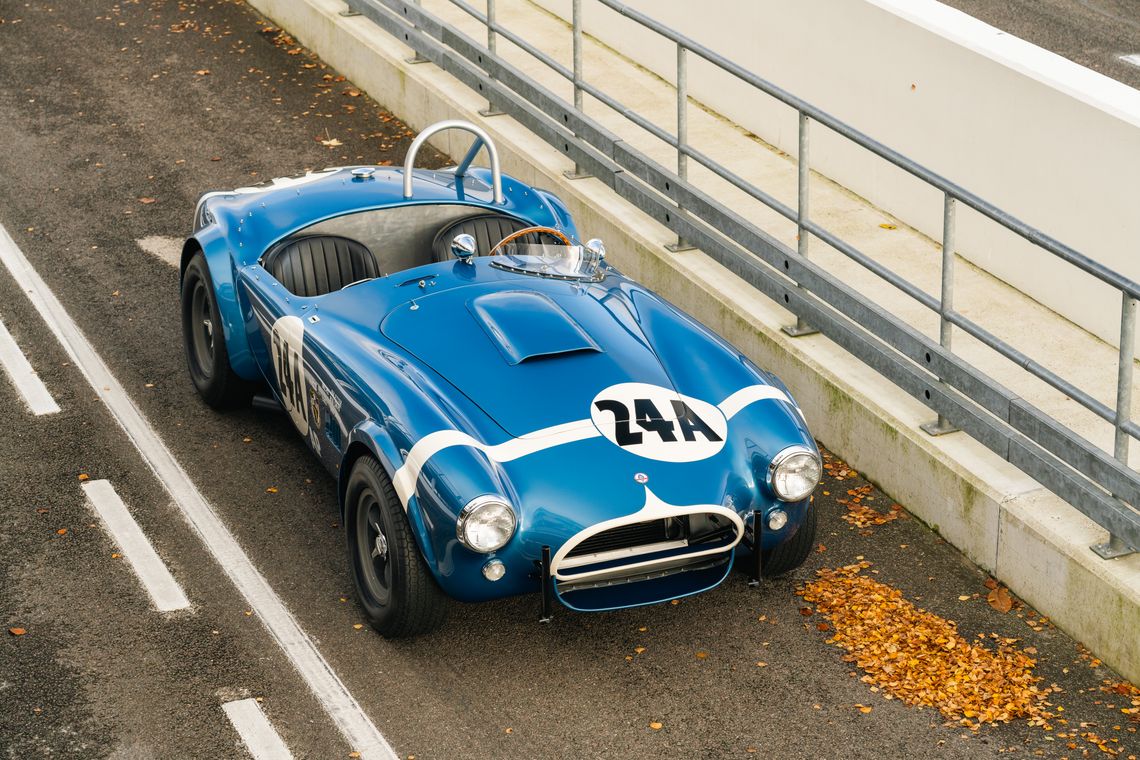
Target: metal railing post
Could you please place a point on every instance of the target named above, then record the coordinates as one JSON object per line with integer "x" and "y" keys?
{"x": 576, "y": 22}
{"x": 942, "y": 426}
{"x": 1115, "y": 546}
{"x": 682, "y": 134}
{"x": 490, "y": 110}
{"x": 417, "y": 58}
{"x": 803, "y": 179}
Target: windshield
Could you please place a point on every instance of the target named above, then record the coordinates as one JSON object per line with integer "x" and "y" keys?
{"x": 555, "y": 260}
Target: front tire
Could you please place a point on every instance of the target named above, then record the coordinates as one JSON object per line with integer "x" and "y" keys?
{"x": 202, "y": 336}
{"x": 394, "y": 586}
{"x": 792, "y": 553}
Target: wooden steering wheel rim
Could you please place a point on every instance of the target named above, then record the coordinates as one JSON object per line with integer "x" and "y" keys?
{"x": 527, "y": 231}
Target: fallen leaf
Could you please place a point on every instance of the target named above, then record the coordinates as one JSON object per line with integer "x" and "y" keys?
{"x": 887, "y": 226}
{"x": 761, "y": 664}
{"x": 964, "y": 598}
{"x": 702, "y": 655}
{"x": 806, "y": 611}
{"x": 42, "y": 510}
{"x": 332, "y": 142}
{"x": 358, "y": 626}
{"x": 84, "y": 476}
{"x": 17, "y": 631}
{"x": 354, "y": 754}
{"x": 62, "y": 532}
{"x": 655, "y": 725}
{"x": 638, "y": 650}
{"x": 271, "y": 489}
{"x": 990, "y": 583}
{"x": 115, "y": 555}
{"x": 999, "y": 599}
{"x": 864, "y": 709}
{"x": 822, "y": 627}
{"x": 202, "y": 72}
{"x": 146, "y": 201}
{"x": 508, "y": 730}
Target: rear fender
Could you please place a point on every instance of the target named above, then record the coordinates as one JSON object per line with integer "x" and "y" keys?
{"x": 231, "y": 306}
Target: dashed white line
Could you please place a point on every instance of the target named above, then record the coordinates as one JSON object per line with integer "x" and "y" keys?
{"x": 135, "y": 547}
{"x": 166, "y": 249}
{"x": 330, "y": 691}
{"x": 255, "y": 730}
{"x": 27, "y": 382}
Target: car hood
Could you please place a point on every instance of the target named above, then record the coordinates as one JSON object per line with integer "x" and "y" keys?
{"x": 531, "y": 358}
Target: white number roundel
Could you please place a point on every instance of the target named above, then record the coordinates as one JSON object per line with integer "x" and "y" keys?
{"x": 288, "y": 363}
{"x": 659, "y": 423}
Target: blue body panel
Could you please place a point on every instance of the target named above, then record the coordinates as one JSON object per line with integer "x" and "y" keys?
{"x": 466, "y": 379}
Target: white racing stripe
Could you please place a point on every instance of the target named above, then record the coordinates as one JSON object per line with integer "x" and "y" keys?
{"x": 27, "y": 382}
{"x": 558, "y": 435}
{"x": 259, "y": 736}
{"x": 133, "y": 545}
{"x": 334, "y": 697}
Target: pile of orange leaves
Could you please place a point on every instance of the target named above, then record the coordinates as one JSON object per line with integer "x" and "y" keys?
{"x": 861, "y": 515}
{"x": 920, "y": 658}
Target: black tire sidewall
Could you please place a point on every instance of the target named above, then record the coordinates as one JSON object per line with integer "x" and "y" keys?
{"x": 794, "y": 552}
{"x": 362, "y": 481}
{"x": 220, "y": 388}
{"x": 415, "y": 604}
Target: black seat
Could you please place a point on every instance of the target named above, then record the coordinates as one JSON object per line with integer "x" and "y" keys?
{"x": 318, "y": 264}
{"x": 487, "y": 229}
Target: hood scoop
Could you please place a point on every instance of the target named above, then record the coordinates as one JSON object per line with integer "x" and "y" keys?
{"x": 525, "y": 325}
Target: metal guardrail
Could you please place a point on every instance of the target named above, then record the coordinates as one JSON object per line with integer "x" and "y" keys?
{"x": 1100, "y": 485}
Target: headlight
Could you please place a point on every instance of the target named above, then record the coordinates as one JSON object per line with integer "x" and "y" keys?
{"x": 486, "y": 524}
{"x": 794, "y": 473}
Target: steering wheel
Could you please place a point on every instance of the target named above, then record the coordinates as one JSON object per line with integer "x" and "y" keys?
{"x": 531, "y": 230}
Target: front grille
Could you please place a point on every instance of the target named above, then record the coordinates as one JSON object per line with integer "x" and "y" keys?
{"x": 635, "y": 534}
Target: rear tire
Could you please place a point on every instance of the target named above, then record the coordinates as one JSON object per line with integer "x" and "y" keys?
{"x": 204, "y": 341}
{"x": 792, "y": 553}
{"x": 393, "y": 583}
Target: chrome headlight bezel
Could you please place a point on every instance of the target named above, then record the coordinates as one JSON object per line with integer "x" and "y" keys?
{"x": 785, "y": 458}
{"x": 480, "y": 506}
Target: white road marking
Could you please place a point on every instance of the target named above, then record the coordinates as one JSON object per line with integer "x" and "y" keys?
{"x": 341, "y": 706}
{"x": 255, "y": 730}
{"x": 27, "y": 382}
{"x": 1134, "y": 59}
{"x": 165, "y": 249}
{"x": 134, "y": 545}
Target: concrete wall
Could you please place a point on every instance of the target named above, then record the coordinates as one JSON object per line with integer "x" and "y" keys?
{"x": 1049, "y": 141}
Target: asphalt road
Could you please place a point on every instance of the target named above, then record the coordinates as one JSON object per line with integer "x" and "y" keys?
{"x": 1094, "y": 33}
{"x": 114, "y": 117}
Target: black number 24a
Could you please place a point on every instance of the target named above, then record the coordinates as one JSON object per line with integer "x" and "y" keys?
{"x": 648, "y": 417}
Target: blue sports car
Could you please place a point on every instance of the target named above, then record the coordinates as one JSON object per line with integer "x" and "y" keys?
{"x": 504, "y": 411}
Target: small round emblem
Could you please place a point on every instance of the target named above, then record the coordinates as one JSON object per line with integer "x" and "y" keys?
{"x": 641, "y": 477}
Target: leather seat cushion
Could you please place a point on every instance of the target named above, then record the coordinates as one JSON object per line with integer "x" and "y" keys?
{"x": 318, "y": 264}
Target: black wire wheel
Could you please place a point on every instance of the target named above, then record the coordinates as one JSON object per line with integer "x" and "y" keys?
{"x": 395, "y": 588}
{"x": 205, "y": 345}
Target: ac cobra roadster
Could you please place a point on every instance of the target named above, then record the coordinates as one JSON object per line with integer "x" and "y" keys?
{"x": 505, "y": 412}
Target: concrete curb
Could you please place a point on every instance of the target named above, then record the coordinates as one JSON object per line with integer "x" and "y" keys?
{"x": 1002, "y": 520}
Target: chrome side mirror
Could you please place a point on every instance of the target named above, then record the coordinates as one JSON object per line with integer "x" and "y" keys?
{"x": 463, "y": 247}
{"x": 596, "y": 247}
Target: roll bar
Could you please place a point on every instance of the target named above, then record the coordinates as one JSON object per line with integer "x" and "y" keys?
{"x": 481, "y": 139}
